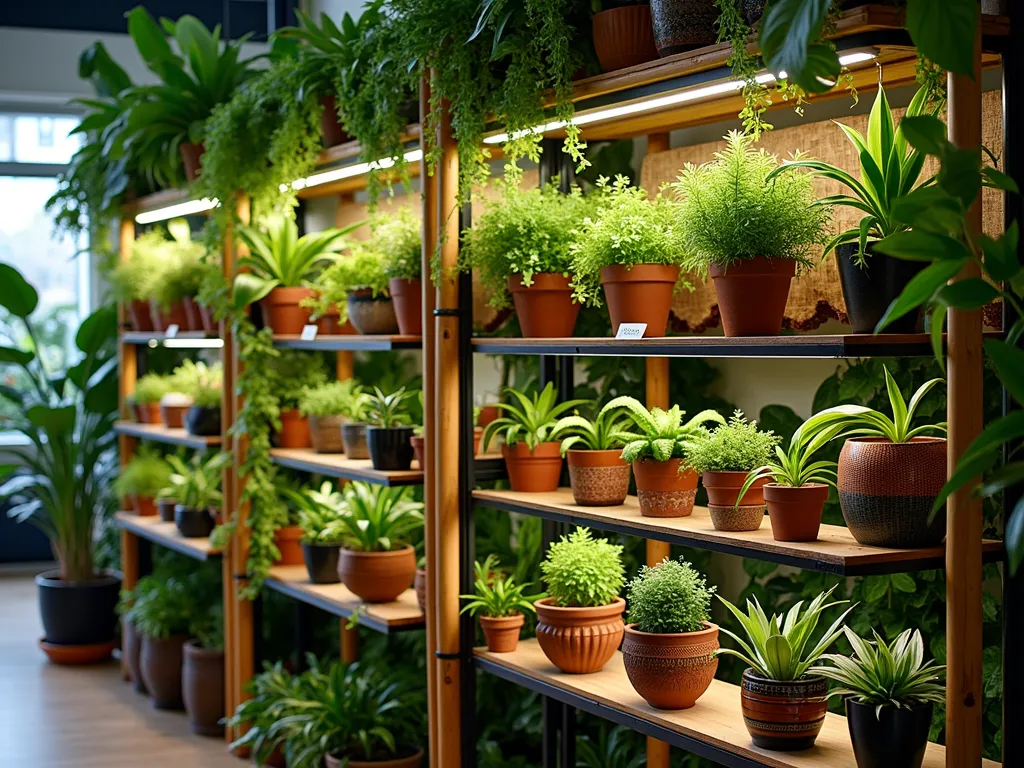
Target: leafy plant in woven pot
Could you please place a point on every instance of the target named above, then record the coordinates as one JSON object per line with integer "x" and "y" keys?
{"x": 890, "y": 693}
{"x": 670, "y": 643}
{"x": 295, "y": 373}
{"x": 149, "y": 390}
{"x": 358, "y": 286}
{"x": 202, "y": 672}
{"x": 666, "y": 486}
{"x": 531, "y": 450}
{"x": 622, "y": 33}
{"x": 782, "y": 697}
{"x": 597, "y": 473}
{"x": 389, "y": 429}
{"x": 196, "y": 487}
{"x": 500, "y": 604}
{"x": 141, "y": 480}
{"x": 580, "y": 623}
{"x": 397, "y": 236}
{"x": 319, "y": 512}
{"x": 325, "y": 407}
{"x": 723, "y": 458}
{"x": 162, "y": 615}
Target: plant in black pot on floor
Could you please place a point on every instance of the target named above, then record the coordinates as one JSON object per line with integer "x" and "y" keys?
{"x": 325, "y": 407}
{"x": 389, "y": 429}
{"x": 202, "y": 672}
{"x": 163, "y": 616}
{"x": 196, "y": 488}
{"x": 320, "y": 513}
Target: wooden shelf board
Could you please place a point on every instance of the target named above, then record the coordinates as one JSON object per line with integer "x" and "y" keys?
{"x": 351, "y": 149}
{"x": 338, "y": 465}
{"x": 153, "y": 529}
{"x": 161, "y": 434}
{"x": 159, "y": 199}
{"x": 336, "y": 599}
{"x": 835, "y": 551}
{"x": 713, "y": 728}
{"x": 351, "y": 342}
{"x": 145, "y": 337}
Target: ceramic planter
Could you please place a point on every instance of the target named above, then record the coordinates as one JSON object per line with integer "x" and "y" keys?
{"x": 417, "y": 442}
{"x": 378, "y": 577}
{"x": 407, "y": 299}
{"x": 202, "y": 421}
{"x": 598, "y": 478}
{"x": 160, "y": 663}
{"x": 412, "y": 761}
{"x": 488, "y": 413}
{"x": 536, "y": 471}
{"x": 869, "y": 290}
{"x": 202, "y": 688}
{"x": 149, "y": 413}
{"x": 330, "y": 125}
{"x": 165, "y": 507}
{"x": 283, "y": 312}
{"x": 353, "y": 436}
{"x": 723, "y": 494}
{"x": 886, "y": 490}
{"x": 419, "y": 584}
{"x": 502, "y": 632}
{"x": 140, "y": 315}
{"x": 579, "y": 640}
{"x": 662, "y": 489}
{"x": 671, "y": 671}
{"x": 325, "y": 434}
{"x": 752, "y": 295}
{"x": 795, "y": 513}
{"x": 623, "y": 37}
{"x": 682, "y": 25}
{"x": 78, "y": 613}
{"x": 894, "y": 738}
{"x": 145, "y": 506}
{"x": 193, "y": 322}
{"x": 545, "y": 307}
{"x": 640, "y": 294}
{"x": 131, "y": 648}
{"x": 165, "y": 318}
{"x": 784, "y": 716}
{"x": 372, "y": 314}
{"x": 321, "y": 562}
{"x": 287, "y": 539}
{"x": 294, "y": 430}
{"x": 173, "y": 416}
{"x": 192, "y": 159}
{"x": 193, "y": 523}
{"x": 390, "y": 449}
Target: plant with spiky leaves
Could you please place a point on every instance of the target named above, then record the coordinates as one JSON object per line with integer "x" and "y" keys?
{"x": 379, "y": 517}
{"x": 320, "y": 513}
{"x": 606, "y": 432}
{"x": 532, "y": 421}
{"x": 496, "y": 594}
{"x": 661, "y": 435}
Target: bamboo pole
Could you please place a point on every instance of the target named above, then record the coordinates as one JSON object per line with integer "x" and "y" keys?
{"x": 128, "y": 366}
{"x": 349, "y": 642}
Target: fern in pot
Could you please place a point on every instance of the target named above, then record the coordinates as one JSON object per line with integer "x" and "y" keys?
{"x": 598, "y": 474}
{"x": 357, "y": 286}
{"x": 389, "y": 429}
{"x": 398, "y": 237}
{"x": 325, "y": 407}
{"x": 294, "y": 373}
{"x": 141, "y": 481}
{"x": 320, "y": 512}
{"x": 500, "y": 603}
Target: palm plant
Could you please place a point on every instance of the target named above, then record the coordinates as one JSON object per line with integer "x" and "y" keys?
{"x": 320, "y": 513}
{"x": 532, "y": 421}
{"x": 379, "y": 516}
{"x": 197, "y": 485}
{"x": 614, "y": 747}
{"x": 662, "y": 434}
{"x": 257, "y": 715}
{"x": 388, "y": 411}
{"x": 496, "y": 594}
{"x": 607, "y": 431}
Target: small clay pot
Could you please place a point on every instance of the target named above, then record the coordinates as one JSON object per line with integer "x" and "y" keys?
{"x": 131, "y": 649}
{"x": 478, "y": 433}
{"x": 166, "y": 509}
{"x": 784, "y": 716}
{"x": 502, "y": 632}
{"x": 372, "y": 315}
{"x": 202, "y": 421}
{"x": 330, "y": 125}
{"x": 193, "y": 523}
{"x": 419, "y": 584}
{"x": 378, "y": 577}
{"x": 353, "y": 436}
{"x": 192, "y": 159}
{"x": 140, "y": 315}
{"x": 417, "y": 442}
{"x": 723, "y": 494}
{"x": 891, "y": 737}
{"x": 737, "y": 518}
{"x": 411, "y": 761}
{"x": 149, "y": 413}
{"x": 623, "y": 37}
{"x": 193, "y": 322}
{"x": 390, "y": 449}
{"x": 287, "y": 538}
{"x": 663, "y": 490}
{"x": 488, "y": 413}
{"x": 795, "y": 513}
{"x": 640, "y": 294}
{"x": 202, "y": 688}
{"x": 321, "y": 562}
{"x": 536, "y": 471}
{"x": 173, "y": 416}
{"x": 671, "y": 671}
{"x": 283, "y": 312}
{"x": 160, "y": 664}
{"x": 598, "y": 478}
{"x": 579, "y": 640}
{"x": 329, "y": 324}
{"x": 294, "y": 430}
{"x": 407, "y": 298}
{"x": 145, "y": 506}
{"x": 165, "y": 318}
{"x": 682, "y": 25}
{"x": 752, "y": 295}
{"x": 325, "y": 434}
{"x": 545, "y": 307}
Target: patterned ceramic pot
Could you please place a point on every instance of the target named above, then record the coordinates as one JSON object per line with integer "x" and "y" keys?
{"x": 783, "y": 715}
{"x": 579, "y": 640}
{"x": 598, "y": 478}
{"x": 682, "y": 25}
{"x": 664, "y": 491}
{"x": 723, "y": 494}
{"x": 378, "y": 577}
{"x": 671, "y": 671}
{"x": 502, "y": 632}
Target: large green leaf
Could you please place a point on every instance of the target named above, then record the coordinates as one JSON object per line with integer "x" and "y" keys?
{"x": 1009, "y": 363}
{"x": 968, "y": 293}
{"x": 914, "y": 245}
{"x": 249, "y": 289}
{"x": 926, "y": 133}
{"x": 15, "y": 356}
{"x": 16, "y": 295}
{"x": 102, "y": 397}
{"x": 1002, "y": 261}
{"x": 920, "y": 289}
{"x": 97, "y": 330}
{"x": 1014, "y": 536}
{"x": 787, "y": 32}
{"x": 53, "y": 420}
{"x": 943, "y": 31}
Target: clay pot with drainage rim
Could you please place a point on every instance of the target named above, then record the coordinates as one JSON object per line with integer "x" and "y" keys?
{"x": 164, "y": 318}
{"x": 321, "y": 562}
{"x": 752, "y": 295}
{"x": 407, "y": 298}
{"x": 131, "y": 648}
{"x": 579, "y": 640}
{"x": 193, "y": 523}
{"x": 353, "y": 436}
{"x": 640, "y": 294}
{"x": 144, "y": 506}
{"x": 173, "y": 407}
{"x": 536, "y": 471}
{"x": 283, "y": 312}
{"x": 783, "y": 715}
{"x": 502, "y": 632}
{"x": 378, "y": 577}
{"x": 545, "y": 307}
{"x": 160, "y": 663}
{"x": 325, "y": 434}
{"x": 165, "y": 507}
{"x": 892, "y": 737}
{"x": 294, "y": 430}
{"x": 287, "y": 539}
{"x": 662, "y": 489}
{"x": 390, "y": 449}
{"x": 723, "y": 496}
{"x": 410, "y": 761}
{"x": 140, "y": 315}
{"x": 202, "y": 688}
{"x": 670, "y": 670}
{"x": 623, "y": 36}
{"x": 192, "y": 159}
{"x": 683, "y": 25}
{"x": 372, "y": 315}
{"x": 419, "y": 584}
{"x": 598, "y": 478}
{"x": 417, "y": 442}
{"x": 795, "y": 513}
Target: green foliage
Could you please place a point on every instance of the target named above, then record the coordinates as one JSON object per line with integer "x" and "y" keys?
{"x": 178, "y": 265}
{"x": 737, "y": 446}
{"x": 606, "y": 432}
{"x": 207, "y": 627}
{"x": 380, "y": 517}
{"x": 150, "y": 388}
{"x": 201, "y": 382}
{"x": 197, "y": 484}
{"x": 320, "y": 513}
{"x": 293, "y": 373}
{"x": 146, "y": 475}
{"x": 388, "y": 411}
{"x": 669, "y": 598}
{"x": 134, "y": 278}
{"x": 496, "y": 594}
{"x": 398, "y": 238}
{"x": 532, "y": 419}
{"x": 661, "y": 434}
{"x": 899, "y": 428}
{"x": 163, "y": 609}
{"x": 582, "y": 571}
{"x": 336, "y": 398}
{"x": 746, "y": 66}
{"x": 258, "y": 715}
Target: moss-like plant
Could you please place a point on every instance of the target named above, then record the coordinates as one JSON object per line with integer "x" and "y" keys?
{"x": 335, "y": 398}
{"x": 661, "y": 435}
{"x": 293, "y": 373}
{"x": 669, "y": 598}
{"x": 145, "y": 475}
{"x": 497, "y": 594}
{"x": 398, "y": 238}
{"x": 150, "y": 388}
{"x": 361, "y": 269}
{"x": 581, "y": 571}
{"x": 737, "y": 446}
{"x": 133, "y": 279}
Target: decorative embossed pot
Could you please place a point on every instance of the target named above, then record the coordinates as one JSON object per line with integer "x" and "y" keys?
{"x": 579, "y": 640}
{"x": 783, "y": 715}
{"x": 598, "y": 478}
{"x": 671, "y": 671}
{"x": 682, "y": 25}
{"x": 664, "y": 491}
{"x": 502, "y": 632}
{"x": 723, "y": 494}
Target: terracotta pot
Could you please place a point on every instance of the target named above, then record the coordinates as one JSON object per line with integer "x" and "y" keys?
{"x": 640, "y": 294}
{"x": 662, "y": 490}
{"x": 276, "y": 759}
{"x": 325, "y": 434}
{"x": 372, "y": 315}
{"x": 354, "y": 438}
{"x": 891, "y": 737}
{"x": 145, "y": 506}
{"x": 682, "y": 25}
{"x": 671, "y": 671}
{"x": 536, "y": 471}
{"x": 623, "y": 37}
{"x": 283, "y": 312}
{"x": 160, "y": 663}
{"x": 783, "y": 715}
{"x": 598, "y": 478}
{"x": 545, "y": 307}
{"x": 207, "y": 322}
{"x": 193, "y": 322}
{"x": 795, "y": 513}
{"x": 166, "y": 509}
{"x": 149, "y": 413}
{"x": 478, "y": 433}
{"x": 886, "y": 490}
{"x": 173, "y": 416}
{"x": 329, "y": 324}
{"x": 420, "y": 585}
{"x": 502, "y": 632}
{"x": 202, "y": 688}
{"x": 321, "y": 562}
{"x": 294, "y": 430}
{"x": 378, "y": 577}
{"x": 752, "y": 295}
{"x": 288, "y": 540}
{"x": 417, "y": 442}
{"x": 131, "y": 650}
{"x": 407, "y": 298}
{"x": 723, "y": 493}
{"x": 191, "y": 158}
{"x": 579, "y": 640}
{"x": 140, "y": 315}
{"x": 412, "y": 761}
{"x": 737, "y": 518}
{"x": 488, "y": 413}
{"x": 330, "y": 125}
{"x": 165, "y": 318}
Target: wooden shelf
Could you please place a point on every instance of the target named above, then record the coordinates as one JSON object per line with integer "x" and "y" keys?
{"x": 145, "y": 337}
{"x": 351, "y": 342}
{"x": 160, "y": 199}
{"x": 160, "y": 434}
{"x": 835, "y": 551}
{"x": 338, "y": 465}
{"x": 155, "y": 530}
{"x": 336, "y": 599}
{"x": 713, "y": 728}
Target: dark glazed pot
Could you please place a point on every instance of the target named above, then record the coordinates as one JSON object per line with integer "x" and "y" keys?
{"x": 202, "y": 688}
{"x": 193, "y": 523}
{"x": 545, "y": 307}
{"x": 407, "y": 301}
{"x": 321, "y": 562}
{"x": 354, "y": 438}
{"x": 869, "y": 290}
{"x": 895, "y": 738}
{"x": 390, "y": 449}
{"x": 682, "y": 25}
{"x": 752, "y": 295}
{"x": 325, "y": 432}
{"x": 203, "y": 422}
{"x": 161, "y": 662}
{"x": 784, "y": 716}
{"x": 166, "y": 509}
{"x": 131, "y": 649}
{"x": 623, "y": 36}
{"x": 372, "y": 315}
{"x": 753, "y": 10}
{"x": 78, "y": 612}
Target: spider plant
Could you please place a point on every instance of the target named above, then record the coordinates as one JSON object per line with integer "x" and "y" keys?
{"x": 258, "y": 715}
{"x": 388, "y": 411}
{"x": 379, "y": 516}
{"x": 897, "y": 429}
{"x": 531, "y": 420}
{"x": 196, "y": 485}
{"x": 496, "y": 594}
{"x": 320, "y": 513}
{"x": 606, "y": 432}
{"x": 662, "y": 434}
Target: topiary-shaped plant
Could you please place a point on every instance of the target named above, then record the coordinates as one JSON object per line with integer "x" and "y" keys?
{"x": 737, "y": 446}
{"x": 581, "y": 571}
{"x": 671, "y": 598}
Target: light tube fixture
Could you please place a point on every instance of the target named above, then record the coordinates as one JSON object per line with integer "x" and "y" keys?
{"x": 186, "y": 343}
{"x": 350, "y": 171}
{"x": 186, "y": 208}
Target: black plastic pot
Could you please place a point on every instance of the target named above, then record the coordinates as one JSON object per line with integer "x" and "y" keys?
{"x": 682, "y": 25}
{"x": 895, "y": 738}
{"x": 869, "y": 290}
{"x": 78, "y": 612}
{"x": 203, "y": 422}
{"x": 353, "y": 436}
{"x": 193, "y": 523}
{"x": 322, "y": 562}
{"x": 166, "y": 509}
{"x": 390, "y": 448}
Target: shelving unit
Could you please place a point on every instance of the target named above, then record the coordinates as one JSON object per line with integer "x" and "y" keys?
{"x": 154, "y": 530}
{"x": 158, "y": 433}
{"x": 338, "y": 465}
{"x": 153, "y": 338}
{"x": 350, "y": 343}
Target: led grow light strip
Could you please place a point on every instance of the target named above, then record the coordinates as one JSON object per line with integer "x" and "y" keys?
{"x": 349, "y": 171}
{"x": 186, "y": 208}
{"x": 185, "y": 343}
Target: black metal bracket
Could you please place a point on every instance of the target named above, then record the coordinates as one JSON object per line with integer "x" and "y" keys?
{"x": 450, "y": 656}
{"x": 448, "y": 313}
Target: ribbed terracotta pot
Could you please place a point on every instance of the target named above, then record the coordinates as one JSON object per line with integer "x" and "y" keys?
{"x": 623, "y": 37}
{"x": 417, "y": 442}
{"x": 662, "y": 490}
{"x": 160, "y": 664}
{"x": 165, "y": 318}
{"x": 288, "y": 539}
{"x": 282, "y": 311}
{"x": 640, "y": 294}
{"x": 795, "y": 513}
{"x": 671, "y": 671}
{"x": 131, "y": 650}
{"x": 536, "y": 471}
{"x": 193, "y": 321}
{"x": 886, "y": 490}
{"x": 330, "y": 125}
{"x": 372, "y": 315}
{"x": 294, "y": 430}
{"x": 579, "y": 640}
{"x": 325, "y": 434}
{"x": 202, "y": 688}
{"x": 598, "y": 478}
{"x": 145, "y": 506}
{"x": 783, "y": 716}
{"x": 682, "y": 25}
{"x": 545, "y": 307}
{"x": 412, "y": 761}
{"x": 752, "y": 295}
{"x": 192, "y": 159}
{"x": 378, "y": 577}
{"x": 419, "y": 584}
{"x": 407, "y": 298}
{"x": 140, "y": 315}
{"x": 173, "y": 416}
{"x": 502, "y": 632}
{"x": 723, "y": 494}
{"x": 353, "y": 436}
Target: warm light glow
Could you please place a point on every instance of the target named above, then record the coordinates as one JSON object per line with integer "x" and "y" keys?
{"x": 178, "y": 209}
{"x": 193, "y": 343}
{"x": 349, "y": 171}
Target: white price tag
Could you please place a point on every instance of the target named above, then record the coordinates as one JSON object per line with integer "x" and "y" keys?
{"x": 308, "y": 332}
{"x": 631, "y": 330}
{"x": 172, "y": 331}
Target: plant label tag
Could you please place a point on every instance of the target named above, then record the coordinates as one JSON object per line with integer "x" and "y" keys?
{"x": 172, "y": 331}
{"x": 631, "y": 330}
{"x": 308, "y": 332}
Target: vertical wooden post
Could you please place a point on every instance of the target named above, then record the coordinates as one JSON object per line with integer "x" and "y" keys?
{"x": 963, "y": 511}
{"x": 349, "y": 642}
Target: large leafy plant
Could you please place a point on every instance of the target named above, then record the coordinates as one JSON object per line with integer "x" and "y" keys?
{"x": 497, "y": 594}
{"x": 661, "y": 434}
{"x": 380, "y": 517}
{"x": 898, "y": 429}
{"x": 671, "y": 597}
{"x": 259, "y": 713}
{"x": 531, "y": 419}
{"x": 164, "y": 609}
{"x": 582, "y": 571}
{"x": 736, "y": 446}
{"x": 607, "y": 431}
{"x": 320, "y": 512}
{"x": 197, "y": 484}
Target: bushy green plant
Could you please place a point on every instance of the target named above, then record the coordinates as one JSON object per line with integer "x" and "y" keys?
{"x": 380, "y": 517}
{"x": 164, "y": 609}
{"x": 729, "y": 210}
{"x": 496, "y": 594}
{"x": 207, "y": 627}
{"x": 737, "y": 446}
{"x": 336, "y": 398}
{"x": 150, "y": 388}
{"x": 178, "y": 273}
{"x": 320, "y": 511}
{"x": 531, "y": 420}
{"x": 145, "y": 475}
{"x": 669, "y": 598}
{"x": 361, "y": 269}
{"x": 133, "y": 278}
{"x": 661, "y": 434}
{"x": 388, "y": 411}
{"x": 581, "y": 571}
{"x": 398, "y": 238}
{"x": 196, "y": 484}
{"x": 258, "y": 714}
{"x": 294, "y": 372}
{"x": 607, "y": 431}
{"x": 196, "y": 379}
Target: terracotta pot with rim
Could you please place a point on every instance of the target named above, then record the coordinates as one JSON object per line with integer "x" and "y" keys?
{"x": 545, "y": 307}
{"x": 783, "y": 715}
{"x": 192, "y": 159}
{"x": 417, "y": 442}
{"x": 145, "y": 506}
{"x": 598, "y": 478}
{"x": 294, "y": 430}
{"x": 173, "y": 416}
{"x": 407, "y": 298}
{"x": 419, "y": 584}
{"x": 202, "y": 687}
{"x": 165, "y": 318}
{"x": 325, "y": 434}
{"x": 623, "y": 37}
{"x": 723, "y": 494}
{"x": 288, "y": 540}
{"x": 149, "y": 413}
{"x": 752, "y": 295}
{"x": 412, "y": 761}
{"x": 502, "y": 632}
{"x": 282, "y": 310}
{"x": 640, "y": 294}
{"x": 670, "y": 670}
{"x": 662, "y": 490}
{"x": 193, "y": 322}
{"x": 378, "y": 577}
{"x": 372, "y": 315}
{"x": 536, "y": 471}
{"x": 579, "y": 640}
{"x": 795, "y": 513}
{"x": 160, "y": 662}
{"x": 140, "y": 315}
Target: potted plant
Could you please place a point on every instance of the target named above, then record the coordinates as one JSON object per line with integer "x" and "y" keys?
{"x": 397, "y": 236}
{"x": 531, "y": 449}
{"x": 890, "y": 693}
{"x": 196, "y": 487}
{"x": 131, "y": 281}
{"x": 783, "y": 699}
{"x": 622, "y": 32}
{"x": 419, "y": 583}
{"x": 324, "y": 406}
{"x": 141, "y": 480}
{"x": 149, "y": 390}
{"x": 597, "y": 473}
{"x": 294, "y": 373}
{"x": 500, "y": 603}
{"x": 203, "y": 416}
{"x": 173, "y": 407}
{"x": 388, "y": 430}
{"x": 320, "y": 511}
{"x": 255, "y": 718}
{"x": 166, "y": 502}
{"x": 288, "y": 541}
{"x": 376, "y": 562}
{"x": 358, "y": 286}
{"x": 418, "y": 441}
{"x": 202, "y": 672}
{"x": 353, "y": 426}
{"x": 666, "y": 485}
{"x": 748, "y": 232}
{"x": 723, "y": 458}
{"x": 177, "y": 280}
{"x": 131, "y": 640}
{"x": 580, "y": 623}
{"x": 478, "y": 430}
{"x": 162, "y": 615}
{"x": 682, "y": 25}
{"x": 628, "y": 246}
{"x": 670, "y": 642}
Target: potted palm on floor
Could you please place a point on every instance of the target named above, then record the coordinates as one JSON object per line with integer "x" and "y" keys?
{"x": 500, "y": 603}
{"x": 320, "y": 511}
{"x": 598, "y": 474}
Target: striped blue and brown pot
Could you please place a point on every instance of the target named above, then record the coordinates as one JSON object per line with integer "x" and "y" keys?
{"x": 783, "y": 715}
